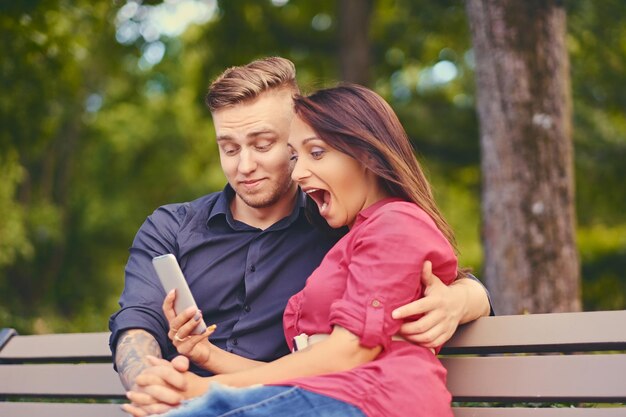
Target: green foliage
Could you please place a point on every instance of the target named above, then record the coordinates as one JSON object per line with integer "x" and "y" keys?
{"x": 12, "y": 223}
{"x": 92, "y": 139}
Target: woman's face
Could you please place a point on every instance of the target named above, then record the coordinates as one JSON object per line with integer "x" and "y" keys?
{"x": 339, "y": 184}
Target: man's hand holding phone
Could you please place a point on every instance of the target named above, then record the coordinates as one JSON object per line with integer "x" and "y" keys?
{"x": 194, "y": 346}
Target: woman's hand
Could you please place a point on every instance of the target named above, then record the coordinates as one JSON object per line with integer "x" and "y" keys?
{"x": 195, "y": 347}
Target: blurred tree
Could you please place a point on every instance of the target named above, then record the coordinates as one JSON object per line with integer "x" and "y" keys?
{"x": 102, "y": 120}
{"x": 353, "y": 19}
{"x": 598, "y": 56}
{"x": 44, "y": 87}
{"x": 91, "y": 143}
{"x": 524, "y": 107}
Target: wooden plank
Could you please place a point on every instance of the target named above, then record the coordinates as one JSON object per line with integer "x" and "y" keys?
{"x": 62, "y": 347}
{"x": 553, "y": 378}
{"x": 5, "y": 335}
{"x": 10, "y": 409}
{"x": 554, "y": 332}
{"x": 538, "y": 412}
{"x": 61, "y": 380}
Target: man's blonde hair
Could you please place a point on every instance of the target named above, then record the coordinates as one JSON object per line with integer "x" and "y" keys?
{"x": 247, "y": 82}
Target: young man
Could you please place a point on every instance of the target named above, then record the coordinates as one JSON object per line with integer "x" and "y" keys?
{"x": 247, "y": 249}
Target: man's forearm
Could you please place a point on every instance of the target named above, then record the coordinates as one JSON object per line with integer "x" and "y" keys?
{"x": 130, "y": 356}
{"x": 476, "y": 300}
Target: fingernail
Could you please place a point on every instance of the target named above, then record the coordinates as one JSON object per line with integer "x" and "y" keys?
{"x": 394, "y": 314}
{"x": 197, "y": 316}
{"x": 212, "y": 327}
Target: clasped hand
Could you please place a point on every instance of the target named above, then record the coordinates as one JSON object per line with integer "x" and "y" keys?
{"x": 165, "y": 384}
{"x": 160, "y": 387}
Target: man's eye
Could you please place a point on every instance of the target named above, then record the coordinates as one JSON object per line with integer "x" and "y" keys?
{"x": 229, "y": 151}
{"x": 263, "y": 147}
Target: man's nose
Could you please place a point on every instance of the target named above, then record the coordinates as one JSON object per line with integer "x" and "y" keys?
{"x": 247, "y": 163}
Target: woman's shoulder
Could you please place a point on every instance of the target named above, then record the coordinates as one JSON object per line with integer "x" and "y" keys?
{"x": 402, "y": 214}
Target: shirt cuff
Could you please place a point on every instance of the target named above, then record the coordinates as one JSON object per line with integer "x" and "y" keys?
{"x": 367, "y": 322}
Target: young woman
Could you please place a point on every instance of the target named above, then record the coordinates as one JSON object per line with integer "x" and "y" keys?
{"x": 353, "y": 158}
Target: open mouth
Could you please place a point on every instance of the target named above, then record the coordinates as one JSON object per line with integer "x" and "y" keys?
{"x": 321, "y": 198}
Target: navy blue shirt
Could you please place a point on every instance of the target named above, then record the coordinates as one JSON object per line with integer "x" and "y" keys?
{"x": 241, "y": 276}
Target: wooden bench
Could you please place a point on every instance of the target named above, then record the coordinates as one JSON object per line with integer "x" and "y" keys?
{"x": 543, "y": 365}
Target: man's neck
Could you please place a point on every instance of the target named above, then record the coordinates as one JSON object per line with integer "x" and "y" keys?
{"x": 264, "y": 217}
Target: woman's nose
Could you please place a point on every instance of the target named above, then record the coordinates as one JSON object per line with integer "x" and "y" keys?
{"x": 300, "y": 172}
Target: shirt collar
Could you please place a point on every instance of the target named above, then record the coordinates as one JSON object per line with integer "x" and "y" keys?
{"x": 368, "y": 211}
{"x": 222, "y": 207}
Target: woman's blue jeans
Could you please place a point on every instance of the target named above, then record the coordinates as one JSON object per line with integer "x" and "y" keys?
{"x": 261, "y": 401}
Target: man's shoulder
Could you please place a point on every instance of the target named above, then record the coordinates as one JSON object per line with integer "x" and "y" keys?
{"x": 184, "y": 211}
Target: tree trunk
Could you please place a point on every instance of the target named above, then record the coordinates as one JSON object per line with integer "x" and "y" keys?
{"x": 524, "y": 109}
{"x": 354, "y": 45}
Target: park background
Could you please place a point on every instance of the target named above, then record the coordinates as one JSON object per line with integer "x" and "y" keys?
{"x": 102, "y": 120}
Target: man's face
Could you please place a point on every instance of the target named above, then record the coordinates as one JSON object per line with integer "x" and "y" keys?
{"x": 252, "y": 140}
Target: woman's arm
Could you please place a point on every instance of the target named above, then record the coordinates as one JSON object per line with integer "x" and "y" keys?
{"x": 341, "y": 351}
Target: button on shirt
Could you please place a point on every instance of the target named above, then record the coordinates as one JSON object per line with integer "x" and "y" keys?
{"x": 241, "y": 276}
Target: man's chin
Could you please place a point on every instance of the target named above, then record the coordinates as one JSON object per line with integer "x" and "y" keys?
{"x": 258, "y": 201}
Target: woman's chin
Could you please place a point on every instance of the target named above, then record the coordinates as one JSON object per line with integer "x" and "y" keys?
{"x": 335, "y": 223}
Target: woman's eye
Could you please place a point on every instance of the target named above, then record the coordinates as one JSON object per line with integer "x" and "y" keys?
{"x": 293, "y": 157}
{"x": 317, "y": 152}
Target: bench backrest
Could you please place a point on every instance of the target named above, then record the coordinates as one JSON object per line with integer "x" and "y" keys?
{"x": 65, "y": 367}
{"x": 569, "y": 364}
{"x": 497, "y": 366}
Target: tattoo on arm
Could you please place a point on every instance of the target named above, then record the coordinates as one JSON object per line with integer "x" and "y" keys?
{"x": 130, "y": 355}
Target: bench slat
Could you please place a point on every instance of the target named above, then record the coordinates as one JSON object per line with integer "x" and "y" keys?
{"x": 550, "y": 378}
{"x": 558, "y": 332}
{"x": 50, "y": 347}
{"x": 8, "y": 409}
{"x": 15, "y": 409}
{"x": 537, "y": 412}
{"x": 58, "y": 380}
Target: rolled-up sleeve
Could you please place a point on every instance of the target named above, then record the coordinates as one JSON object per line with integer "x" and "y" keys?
{"x": 142, "y": 298}
{"x": 384, "y": 271}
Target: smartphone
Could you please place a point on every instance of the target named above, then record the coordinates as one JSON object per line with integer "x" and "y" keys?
{"x": 172, "y": 277}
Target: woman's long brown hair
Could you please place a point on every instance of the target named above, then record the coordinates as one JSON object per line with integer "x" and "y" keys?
{"x": 360, "y": 123}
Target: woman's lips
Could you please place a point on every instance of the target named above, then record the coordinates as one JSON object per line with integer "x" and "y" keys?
{"x": 321, "y": 198}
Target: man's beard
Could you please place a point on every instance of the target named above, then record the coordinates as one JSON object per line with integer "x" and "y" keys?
{"x": 266, "y": 199}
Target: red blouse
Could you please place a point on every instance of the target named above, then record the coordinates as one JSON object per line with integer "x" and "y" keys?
{"x": 372, "y": 270}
